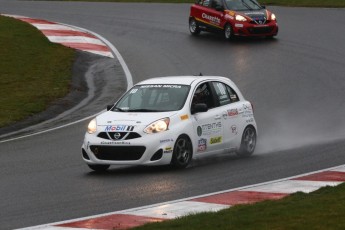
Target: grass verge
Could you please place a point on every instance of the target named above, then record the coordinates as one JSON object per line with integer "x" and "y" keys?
{"x": 33, "y": 71}
{"x": 322, "y": 209}
{"x": 307, "y": 3}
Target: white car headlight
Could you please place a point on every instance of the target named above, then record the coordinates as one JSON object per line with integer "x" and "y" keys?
{"x": 273, "y": 17}
{"x": 92, "y": 127}
{"x": 240, "y": 18}
{"x": 158, "y": 126}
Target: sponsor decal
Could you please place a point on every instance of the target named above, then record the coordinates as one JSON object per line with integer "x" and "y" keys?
{"x": 168, "y": 150}
{"x": 239, "y": 25}
{"x": 247, "y": 111}
{"x": 133, "y": 91}
{"x": 228, "y": 16}
{"x": 247, "y": 107}
{"x": 212, "y": 19}
{"x": 202, "y": 145}
{"x": 233, "y": 97}
{"x": 231, "y": 13}
{"x": 216, "y": 140}
{"x": 255, "y": 13}
{"x": 165, "y": 141}
{"x": 234, "y": 129}
{"x": 208, "y": 129}
{"x": 115, "y": 143}
{"x": 110, "y": 128}
{"x": 184, "y": 117}
{"x": 261, "y": 25}
{"x": 250, "y": 120}
{"x": 232, "y": 112}
{"x": 161, "y": 86}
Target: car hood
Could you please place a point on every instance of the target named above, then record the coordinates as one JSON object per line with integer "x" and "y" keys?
{"x": 256, "y": 15}
{"x": 130, "y": 119}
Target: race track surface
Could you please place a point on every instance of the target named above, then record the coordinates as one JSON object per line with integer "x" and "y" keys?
{"x": 296, "y": 83}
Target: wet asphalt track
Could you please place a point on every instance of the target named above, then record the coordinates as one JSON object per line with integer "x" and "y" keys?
{"x": 296, "y": 83}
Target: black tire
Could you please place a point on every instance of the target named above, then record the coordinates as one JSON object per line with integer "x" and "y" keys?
{"x": 228, "y": 32}
{"x": 248, "y": 142}
{"x": 193, "y": 27}
{"x": 99, "y": 168}
{"x": 182, "y": 153}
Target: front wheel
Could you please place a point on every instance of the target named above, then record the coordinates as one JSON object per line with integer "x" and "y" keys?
{"x": 193, "y": 27}
{"x": 228, "y": 32}
{"x": 248, "y": 142}
{"x": 183, "y": 152}
{"x": 99, "y": 168}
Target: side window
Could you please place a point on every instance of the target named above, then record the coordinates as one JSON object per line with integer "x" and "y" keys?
{"x": 233, "y": 94}
{"x": 222, "y": 94}
{"x": 216, "y": 4}
{"x": 206, "y": 2}
{"x": 203, "y": 94}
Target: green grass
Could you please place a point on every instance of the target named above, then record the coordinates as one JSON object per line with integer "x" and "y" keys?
{"x": 308, "y": 3}
{"x": 322, "y": 209}
{"x": 33, "y": 71}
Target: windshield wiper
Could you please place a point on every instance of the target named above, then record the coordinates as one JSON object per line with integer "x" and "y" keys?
{"x": 143, "y": 110}
{"x": 246, "y": 5}
{"x": 256, "y": 4}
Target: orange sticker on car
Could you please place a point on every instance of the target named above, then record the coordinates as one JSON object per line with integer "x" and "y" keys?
{"x": 184, "y": 117}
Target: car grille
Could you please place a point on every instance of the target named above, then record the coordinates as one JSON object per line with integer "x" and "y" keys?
{"x": 258, "y": 19}
{"x": 118, "y": 153}
{"x": 260, "y": 30}
{"x": 118, "y": 135}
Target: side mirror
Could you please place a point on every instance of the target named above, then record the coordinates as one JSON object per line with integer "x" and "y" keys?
{"x": 199, "y": 108}
{"x": 263, "y": 7}
{"x": 109, "y": 107}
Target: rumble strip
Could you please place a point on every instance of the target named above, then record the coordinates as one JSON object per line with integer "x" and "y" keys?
{"x": 69, "y": 36}
{"x": 211, "y": 202}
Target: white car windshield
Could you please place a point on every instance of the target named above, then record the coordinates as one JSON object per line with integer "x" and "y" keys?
{"x": 153, "y": 98}
{"x": 242, "y": 5}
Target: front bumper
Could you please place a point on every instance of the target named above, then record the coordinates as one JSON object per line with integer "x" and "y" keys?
{"x": 150, "y": 149}
{"x": 248, "y": 29}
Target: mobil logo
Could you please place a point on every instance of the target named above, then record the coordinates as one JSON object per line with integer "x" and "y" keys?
{"x": 115, "y": 128}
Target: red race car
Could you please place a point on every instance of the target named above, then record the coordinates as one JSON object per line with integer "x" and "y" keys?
{"x": 233, "y": 18}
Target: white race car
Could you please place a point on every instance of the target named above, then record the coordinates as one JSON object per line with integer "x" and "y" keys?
{"x": 170, "y": 120}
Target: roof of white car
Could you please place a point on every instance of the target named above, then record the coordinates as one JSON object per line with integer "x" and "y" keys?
{"x": 184, "y": 80}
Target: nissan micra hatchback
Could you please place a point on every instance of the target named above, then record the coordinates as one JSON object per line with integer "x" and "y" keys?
{"x": 232, "y": 18}
{"x": 171, "y": 120}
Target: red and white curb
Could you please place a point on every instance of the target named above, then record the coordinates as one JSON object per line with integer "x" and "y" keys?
{"x": 207, "y": 203}
{"x": 69, "y": 36}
